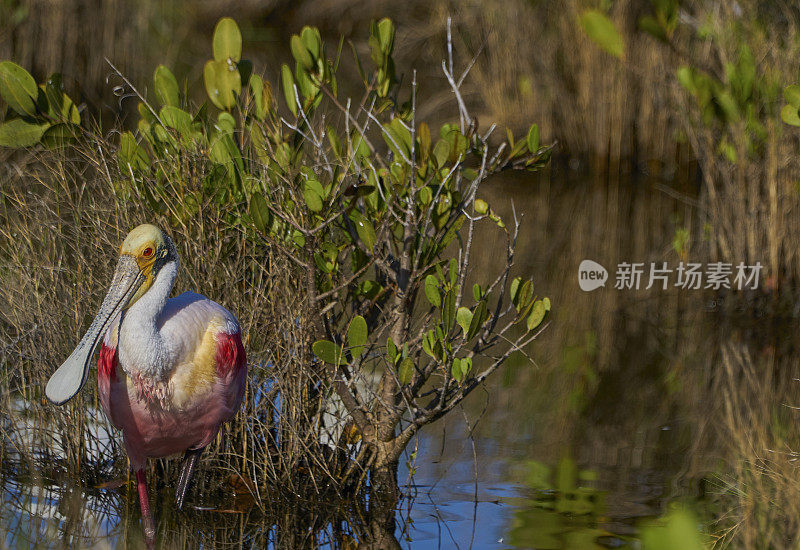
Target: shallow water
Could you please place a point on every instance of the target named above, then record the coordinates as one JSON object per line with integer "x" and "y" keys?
{"x": 573, "y": 451}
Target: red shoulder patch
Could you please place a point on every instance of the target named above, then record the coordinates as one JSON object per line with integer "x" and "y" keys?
{"x": 107, "y": 363}
{"x": 230, "y": 353}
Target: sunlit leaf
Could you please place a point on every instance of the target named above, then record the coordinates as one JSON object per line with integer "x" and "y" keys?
{"x": 287, "y": 82}
{"x": 432, "y": 291}
{"x": 464, "y": 318}
{"x": 603, "y": 32}
{"x": 533, "y": 138}
{"x": 537, "y": 314}
{"x": 405, "y": 371}
{"x": 166, "y": 86}
{"x": 300, "y": 53}
{"x": 227, "y": 41}
{"x": 18, "y": 88}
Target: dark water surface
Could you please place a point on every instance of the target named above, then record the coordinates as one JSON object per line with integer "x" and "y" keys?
{"x": 579, "y": 450}
{"x": 604, "y": 431}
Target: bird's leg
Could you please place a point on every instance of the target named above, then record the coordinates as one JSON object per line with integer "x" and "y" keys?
{"x": 144, "y": 503}
{"x": 187, "y": 469}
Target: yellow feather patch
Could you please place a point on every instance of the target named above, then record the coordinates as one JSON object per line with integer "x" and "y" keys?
{"x": 195, "y": 378}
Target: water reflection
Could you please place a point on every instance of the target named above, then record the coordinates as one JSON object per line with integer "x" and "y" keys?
{"x": 613, "y": 424}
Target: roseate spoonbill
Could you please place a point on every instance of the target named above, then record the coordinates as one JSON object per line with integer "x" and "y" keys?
{"x": 170, "y": 371}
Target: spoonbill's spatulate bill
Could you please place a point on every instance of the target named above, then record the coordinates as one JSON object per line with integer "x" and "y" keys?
{"x": 170, "y": 372}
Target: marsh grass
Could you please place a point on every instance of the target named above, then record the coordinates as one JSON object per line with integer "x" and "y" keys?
{"x": 758, "y": 497}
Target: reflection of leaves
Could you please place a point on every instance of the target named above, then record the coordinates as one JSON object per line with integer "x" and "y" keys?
{"x": 567, "y": 475}
{"x": 677, "y": 529}
{"x": 538, "y": 475}
{"x": 545, "y": 529}
{"x": 562, "y": 514}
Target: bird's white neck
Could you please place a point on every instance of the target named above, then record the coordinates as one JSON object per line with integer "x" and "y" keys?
{"x": 142, "y": 350}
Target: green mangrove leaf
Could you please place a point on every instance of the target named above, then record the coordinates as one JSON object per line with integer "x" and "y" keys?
{"x": 398, "y": 138}
{"x": 227, "y": 41}
{"x": 425, "y": 196}
{"x": 328, "y": 352}
{"x": 424, "y": 137}
{"x": 226, "y": 123}
{"x": 54, "y": 93}
{"x": 458, "y": 144}
{"x": 130, "y": 154}
{"x": 453, "y": 271}
{"x": 260, "y": 213}
{"x": 300, "y": 53}
{"x": 448, "y": 309}
{"x": 212, "y": 87}
{"x": 536, "y": 317}
{"x": 427, "y": 344}
{"x": 432, "y": 291}
{"x": 364, "y": 229}
{"x": 229, "y": 82}
{"x": 257, "y": 93}
{"x": 357, "y": 336}
{"x": 524, "y": 296}
{"x": 603, "y": 32}
{"x": 312, "y": 41}
{"x": 287, "y": 82}
{"x": 313, "y": 195}
{"x": 515, "y": 290}
{"x": 18, "y": 88}
{"x": 464, "y": 319}
{"x": 59, "y": 135}
{"x": 789, "y": 114}
{"x": 441, "y": 152}
{"x": 306, "y": 86}
{"x": 20, "y": 133}
{"x": 386, "y": 35}
{"x": 166, "y": 86}
{"x": 533, "y": 138}
{"x": 405, "y": 371}
{"x": 792, "y": 95}
{"x": 459, "y": 368}
{"x": 177, "y": 119}
{"x": 478, "y": 319}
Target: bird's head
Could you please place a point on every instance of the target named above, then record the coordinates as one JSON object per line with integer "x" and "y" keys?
{"x": 143, "y": 253}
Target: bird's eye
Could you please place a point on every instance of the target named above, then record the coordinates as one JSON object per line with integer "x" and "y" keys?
{"x": 147, "y": 252}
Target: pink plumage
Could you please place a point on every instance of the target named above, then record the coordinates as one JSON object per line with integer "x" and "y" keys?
{"x": 171, "y": 371}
